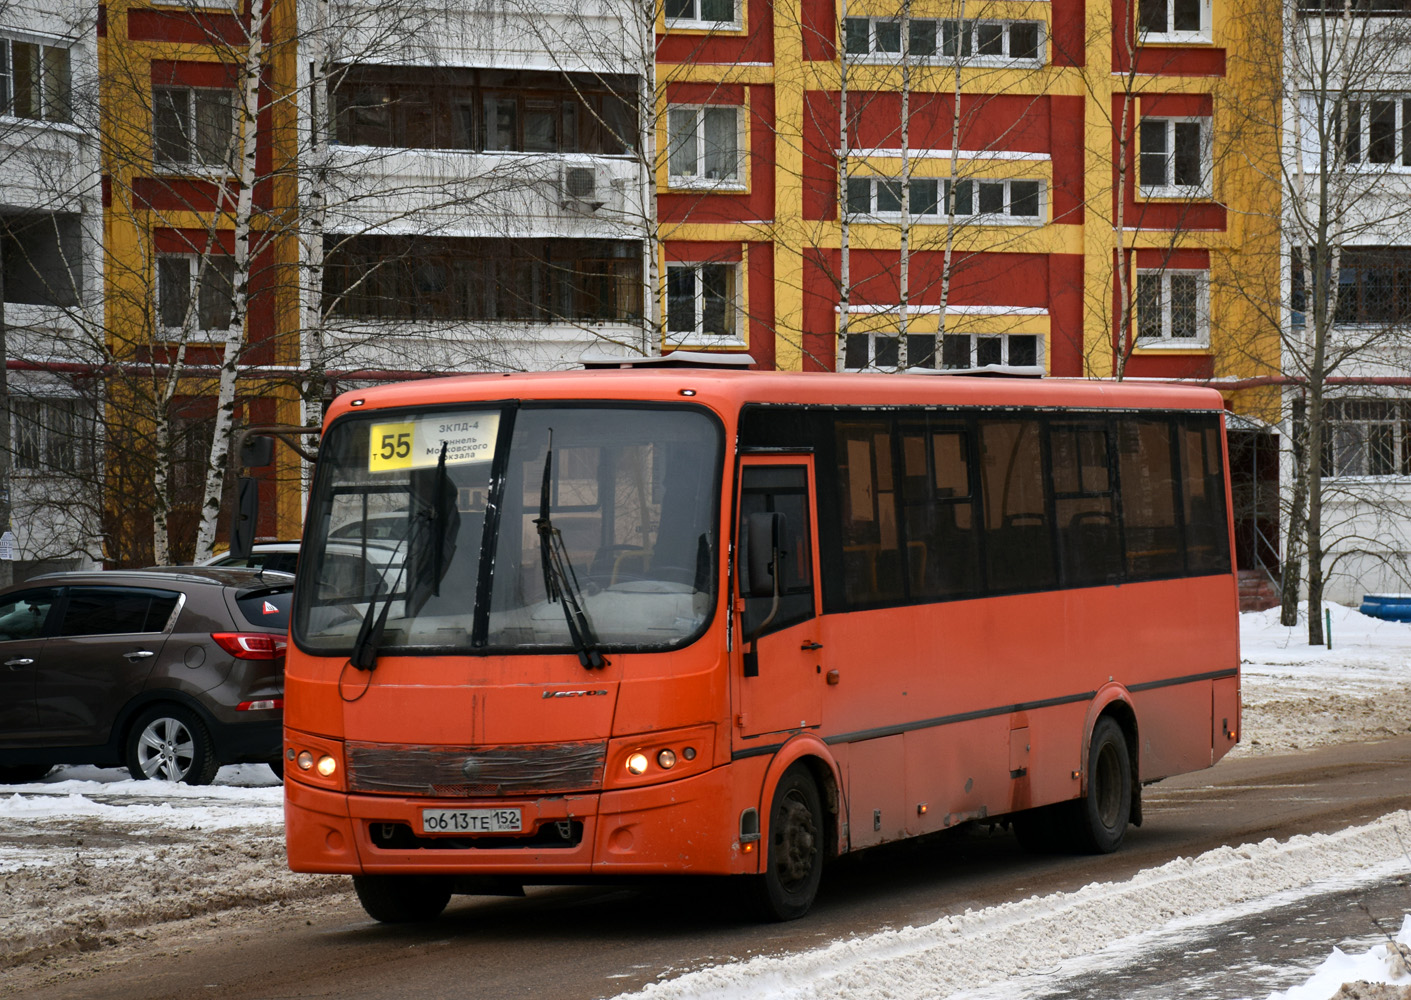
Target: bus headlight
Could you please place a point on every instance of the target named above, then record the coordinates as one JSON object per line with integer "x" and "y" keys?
{"x": 668, "y": 755}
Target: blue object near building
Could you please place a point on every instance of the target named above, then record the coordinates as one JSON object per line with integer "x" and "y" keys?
{"x": 1389, "y": 607}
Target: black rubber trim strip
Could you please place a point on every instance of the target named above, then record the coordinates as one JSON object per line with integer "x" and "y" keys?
{"x": 984, "y": 713}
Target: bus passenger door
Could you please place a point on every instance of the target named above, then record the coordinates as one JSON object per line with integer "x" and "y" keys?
{"x": 779, "y": 670}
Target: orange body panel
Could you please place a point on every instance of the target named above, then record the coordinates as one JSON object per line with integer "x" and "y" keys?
{"x": 917, "y": 717}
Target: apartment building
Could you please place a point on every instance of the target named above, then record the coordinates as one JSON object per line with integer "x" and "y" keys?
{"x": 1347, "y": 240}
{"x": 479, "y": 198}
{"x": 874, "y": 186}
{"x": 50, "y": 226}
{"x": 200, "y": 254}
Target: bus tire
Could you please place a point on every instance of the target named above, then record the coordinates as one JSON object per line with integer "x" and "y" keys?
{"x": 1102, "y": 815}
{"x": 794, "y": 856}
{"x": 402, "y": 899}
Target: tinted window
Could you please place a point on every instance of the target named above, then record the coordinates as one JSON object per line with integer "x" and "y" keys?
{"x": 265, "y": 608}
{"x": 938, "y": 511}
{"x": 1018, "y": 546}
{"x": 873, "y": 565}
{"x": 1149, "y": 498}
{"x": 22, "y": 615}
{"x": 1083, "y": 504}
{"x": 116, "y": 611}
{"x": 778, "y": 490}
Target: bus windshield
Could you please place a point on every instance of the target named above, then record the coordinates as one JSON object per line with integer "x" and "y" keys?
{"x": 442, "y": 520}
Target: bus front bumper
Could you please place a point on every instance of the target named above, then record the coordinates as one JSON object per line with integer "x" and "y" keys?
{"x": 689, "y": 826}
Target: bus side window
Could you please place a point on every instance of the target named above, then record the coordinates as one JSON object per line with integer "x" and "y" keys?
{"x": 1018, "y": 545}
{"x": 1145, "y": 467}
{"x": 778, "y": 489}
{"x": 1203, "y": 492}
{"x": 1083, "y": 504}
{"x": 874, "y": 570}
{"x": 942, "y": 544}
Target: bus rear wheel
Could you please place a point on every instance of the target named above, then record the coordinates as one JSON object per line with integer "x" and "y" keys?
{"x": 402, "y": 899}
{"x": 1101, "y": 816}
{"x": 794, "y": 857}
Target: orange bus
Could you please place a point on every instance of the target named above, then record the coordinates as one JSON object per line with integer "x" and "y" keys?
{"x": 593, "y": 625}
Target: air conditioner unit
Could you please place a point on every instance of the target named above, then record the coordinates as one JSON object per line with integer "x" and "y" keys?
{"x": 578, "y": 188}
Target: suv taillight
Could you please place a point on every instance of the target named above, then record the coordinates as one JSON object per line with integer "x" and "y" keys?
{"x": 251, "y": 645}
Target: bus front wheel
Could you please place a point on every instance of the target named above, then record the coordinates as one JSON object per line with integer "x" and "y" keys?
{"x": 794, "y": 859}
{"x": 1103, "y": 814}
{"x": 402, "y": 899}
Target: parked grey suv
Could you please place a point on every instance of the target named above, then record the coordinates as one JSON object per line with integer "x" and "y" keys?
{"x": 170, "y": 671}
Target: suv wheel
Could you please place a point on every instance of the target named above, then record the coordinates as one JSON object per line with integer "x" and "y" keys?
{"x": 170, "y": 743}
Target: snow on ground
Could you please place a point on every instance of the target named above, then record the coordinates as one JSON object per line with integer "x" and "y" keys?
{"x": 91, "y": 860}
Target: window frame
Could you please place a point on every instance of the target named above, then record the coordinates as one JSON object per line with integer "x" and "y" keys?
{"x": 41, "y": 90}
{"x": 39, "y": 447}
{"x": 1176, "y": 36}
{"x": 1169, "y": 188}
{"x": 475, "y": 279}
{"x": 697, "y": 335}
{"x": 1166, "y": 339}
{"x": 194, "y": 287}
{"x": 697, "y": 180}
{"x": 697, "y": 22}
{"x": 969, "y": 44}
{"x": 196, "y": 159}
{"x": 1352, "y": 436}
{"x": 943, "y": 187}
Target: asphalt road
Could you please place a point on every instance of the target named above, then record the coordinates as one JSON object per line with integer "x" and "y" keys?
{"x": 585, "y": 943}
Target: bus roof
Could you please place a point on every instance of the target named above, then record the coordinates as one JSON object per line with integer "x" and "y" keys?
{"x": 727, "y": 390}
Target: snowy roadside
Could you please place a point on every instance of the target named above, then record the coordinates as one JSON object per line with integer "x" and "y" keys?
{"x": 91, "y": 861}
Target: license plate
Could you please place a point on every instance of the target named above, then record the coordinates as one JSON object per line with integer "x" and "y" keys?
{"x": 471, "y": 821}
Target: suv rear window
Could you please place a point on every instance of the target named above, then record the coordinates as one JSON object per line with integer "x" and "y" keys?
{"x": 265, "y": 608}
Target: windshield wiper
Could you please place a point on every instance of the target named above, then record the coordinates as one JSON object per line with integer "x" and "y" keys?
{"x": 560, "y": 583}
{"x": 428, "y": 549}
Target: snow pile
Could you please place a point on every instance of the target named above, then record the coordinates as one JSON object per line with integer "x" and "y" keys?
{"x": 1386, "y": 963}
{"x": 1045, "y": 937}
{"x": 1298, "y": 696}
{"x": 93, "y": 861}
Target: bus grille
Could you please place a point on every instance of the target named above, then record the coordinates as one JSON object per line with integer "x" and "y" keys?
{"x": 469, "y": 772}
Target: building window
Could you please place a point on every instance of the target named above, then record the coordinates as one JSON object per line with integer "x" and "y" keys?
{"x": 193, "y": 127}
{"x": 1367, "y": 437}
{"x": 932, "y": 200}
{"x": 1333, "y": 9}
{"x": 41, "y": 258}
{"x": 426, "y": 107}
{"x": 881, "y": 351}
{"x": 1378, "y": 128}
{"x": 442, "y": 278}
{"x": 703, "y": 144}
{"x": 195, "y": 292}
{"x": 979, "y": 350}
{"x": 878, "y": 39}
{"x": 701, "y": 14}
{"x": 53, "y": 434}
{"x": 1175, "y": 157}
{"x": 1179, "y": 19}
{"x": 1173, "y": 308}
{"x": 1373, "y": 287}
{"x": 35, "y": 81}
{"x": 702, "y": 303}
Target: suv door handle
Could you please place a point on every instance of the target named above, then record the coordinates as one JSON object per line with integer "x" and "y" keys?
{"x": 139, "y": 654}
{"x": 18, "y": 662}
